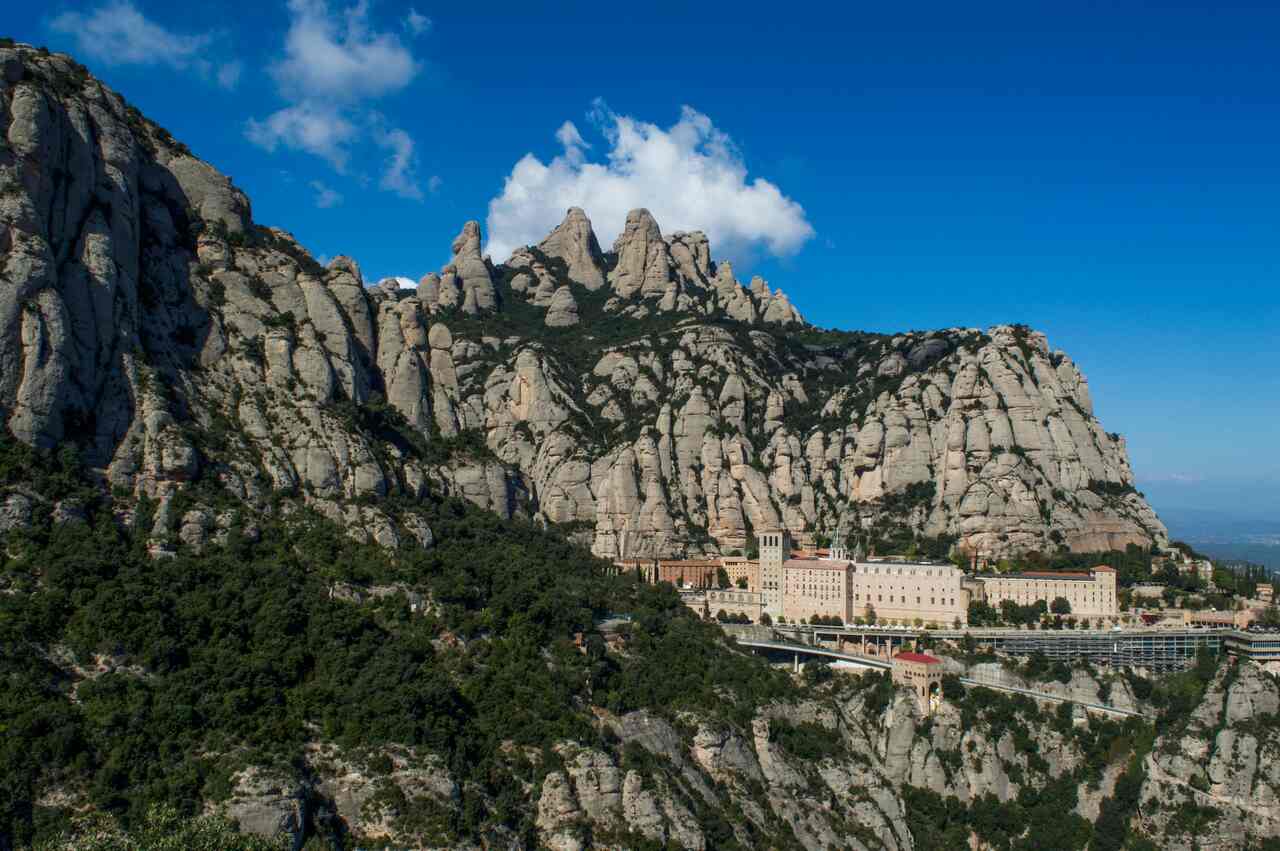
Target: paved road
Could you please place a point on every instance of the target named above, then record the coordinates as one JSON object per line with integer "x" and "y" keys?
{"x": 881, "y": 664}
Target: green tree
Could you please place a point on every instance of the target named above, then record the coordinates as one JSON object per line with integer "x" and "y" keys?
{"x": 817, "y": 671}
{"x": 722, "y": 578}
{"x": 163, "y": 829}
{"x": 1060, "y": 606}
{"x": 982, "y": 613}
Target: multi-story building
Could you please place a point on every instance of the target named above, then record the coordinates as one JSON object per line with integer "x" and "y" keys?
{"x": 739, "y": 569}
{"x": 682, "y": 573}
{"x": 815, "y": 587}
{"x": 902, "y": 592}
{"x": 734, "y": 601}
{"x": 836, "y": 585}
{"x": 1091, "y": 594}
{"x": 1238, "y": 620}
{"x": 906, "y": 592}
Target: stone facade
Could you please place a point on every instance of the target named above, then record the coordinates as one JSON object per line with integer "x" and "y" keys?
{"x": 775, "y": 549}
{"x": 814, "y": 586}
{"x": 740, "y": 568}
{"x": 734, "y": 601}
{"x": 682, "y": 573}
{"x": 1091, "y": 594}
{"x": 921, "y": 673}
{"x": 897, "y": 591}
{"x": 909, "y": 591}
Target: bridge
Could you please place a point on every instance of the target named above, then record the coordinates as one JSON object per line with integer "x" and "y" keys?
{"x": 1153, "y": 648}
{"x": 764, "y": 645}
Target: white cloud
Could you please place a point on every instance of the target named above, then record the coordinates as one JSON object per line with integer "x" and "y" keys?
{"x": 416, "y": 23}
{"x": 405, "y": 283}
{"x": 690, "y": 176}
{"x": 571, "y": 140}
{"x": 340, "y": 58}
{"x": 325, "y": 197}
{"x": 305, "y": 127}
{"x": 400, "y": 175}
{"x": 229, "y": 74}
{"x": 116, "y": 33}
{"x": 1176, "y": 478}
{"x": 334, "y": 64}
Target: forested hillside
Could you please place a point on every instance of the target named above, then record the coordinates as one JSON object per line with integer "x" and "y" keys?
{"x": 327, "y": 563}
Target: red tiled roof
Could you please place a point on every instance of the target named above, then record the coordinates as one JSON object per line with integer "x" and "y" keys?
{"x": 1104, "y": 567}
{"x": 918, "y": 657}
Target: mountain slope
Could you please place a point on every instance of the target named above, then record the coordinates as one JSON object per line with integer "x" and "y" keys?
{"x": 642, "y": 394}
{"x": 449, "y": 678}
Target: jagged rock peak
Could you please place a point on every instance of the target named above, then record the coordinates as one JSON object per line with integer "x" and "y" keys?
{"x": 692, "y": 254}
{"x": 429, "y": 289}
{"x": 472, "y": 271}
{"x": 111, "y": 299}
{"x": 724, "y": 276}
{"x": 347, "y": 265}
{"x": 467, "y": 242}
{"x": 574, "y": 242}
{"x": 640, "y": 224}
{"x": 644, "y": 260}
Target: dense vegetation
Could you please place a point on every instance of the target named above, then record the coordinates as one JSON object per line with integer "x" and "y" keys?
{"x": 244, "y": 653}
{"x": 1043, "y": 817}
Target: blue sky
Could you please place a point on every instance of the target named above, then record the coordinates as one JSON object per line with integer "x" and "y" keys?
{"x": 1107, "y": 173}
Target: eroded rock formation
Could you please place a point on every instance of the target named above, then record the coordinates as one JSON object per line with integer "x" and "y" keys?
{"x": 644, "y": 392}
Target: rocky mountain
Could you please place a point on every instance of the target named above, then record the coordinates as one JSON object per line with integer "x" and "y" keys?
{"x": 642, "y": 394}
{"x": 342, "y": 650}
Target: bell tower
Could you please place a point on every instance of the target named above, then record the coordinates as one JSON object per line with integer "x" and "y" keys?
{"x": 775, "y": 549}
{"x": 839, "y": 552}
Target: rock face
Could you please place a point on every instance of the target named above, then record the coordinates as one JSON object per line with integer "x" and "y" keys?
{"x": 645, "y": 393}
{"x": 1221, "y": 770}
{"x": 574, "y": 242}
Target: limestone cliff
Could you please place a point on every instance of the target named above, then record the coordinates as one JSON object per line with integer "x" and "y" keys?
{"x": 642, "y": 393}
{"x": 852, "y": 764}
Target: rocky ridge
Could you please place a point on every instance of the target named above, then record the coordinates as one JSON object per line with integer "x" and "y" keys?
{"x": 642, "y": 394}
{"x": 698, "y": 781}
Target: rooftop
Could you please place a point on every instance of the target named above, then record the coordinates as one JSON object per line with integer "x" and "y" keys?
{"x": 816, "y": 564}
{"x": 1040, "y": 574}
{"x": 923, "y": 658}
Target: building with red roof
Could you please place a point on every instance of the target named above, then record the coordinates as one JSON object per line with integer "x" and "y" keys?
{"x": 921, "y": 673}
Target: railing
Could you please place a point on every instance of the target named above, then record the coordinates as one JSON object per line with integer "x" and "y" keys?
{"x": 999, "y": 684}
{"x": 984, "y": 681}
